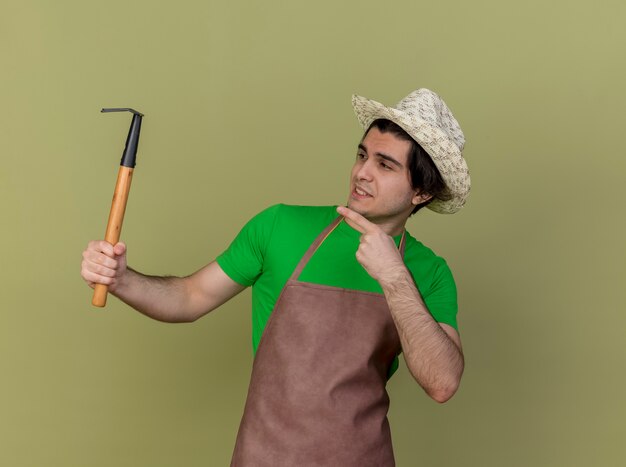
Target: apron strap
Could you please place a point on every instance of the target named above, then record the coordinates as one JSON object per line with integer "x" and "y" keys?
{"x": 314, "y": 246}
{"x": 402, "y": 243}
{"x": 323, "y": 236}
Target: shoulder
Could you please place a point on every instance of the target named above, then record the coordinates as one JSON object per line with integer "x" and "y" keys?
{"x": 305, "y": 211}
{"x": 424, "y": 263}
{"x": 434, "y": 280}
{"x": 281, "y": 221}
{"x": 285, "y": 219}
{"x": 417, "y": 250}
{"x": 303, "y": 217}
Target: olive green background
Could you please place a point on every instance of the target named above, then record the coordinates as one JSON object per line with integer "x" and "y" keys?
{"x": 248, "y": 104}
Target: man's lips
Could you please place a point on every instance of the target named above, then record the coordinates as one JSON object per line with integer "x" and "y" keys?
{"x": 360, "y": 193}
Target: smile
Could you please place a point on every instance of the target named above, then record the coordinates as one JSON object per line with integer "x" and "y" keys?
{"x": 360, "y": 193}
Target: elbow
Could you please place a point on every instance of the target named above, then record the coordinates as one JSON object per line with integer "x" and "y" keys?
{"x": 186, "y": 316}
{"x": 172, "y": 318}
{"x": 192, "y": 317}
{"x": 174, "y": 315}
{"x": 443, "y": 395}
{"x": 444, "y": 391}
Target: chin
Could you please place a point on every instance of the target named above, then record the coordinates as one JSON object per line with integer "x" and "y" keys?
{"x": 364, "y": 212}
{"x": 355, "y": 208}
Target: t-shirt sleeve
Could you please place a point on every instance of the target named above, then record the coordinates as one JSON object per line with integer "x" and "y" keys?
{"x": 442, "y": 297}
{"x": 243, "y": 259}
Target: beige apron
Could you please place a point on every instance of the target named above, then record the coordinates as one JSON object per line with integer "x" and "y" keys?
{"x": 317, "y": 392}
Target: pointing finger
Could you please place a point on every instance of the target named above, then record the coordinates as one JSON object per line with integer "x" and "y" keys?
{"x": 360, "y": 223}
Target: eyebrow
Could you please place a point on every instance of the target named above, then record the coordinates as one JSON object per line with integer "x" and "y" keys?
{"x": 383, "y": 156}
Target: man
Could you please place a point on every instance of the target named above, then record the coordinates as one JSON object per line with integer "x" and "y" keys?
{"x": 338, "y": 293}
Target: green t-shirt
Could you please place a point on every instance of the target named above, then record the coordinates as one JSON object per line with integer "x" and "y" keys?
{"x": 268, "y": 248}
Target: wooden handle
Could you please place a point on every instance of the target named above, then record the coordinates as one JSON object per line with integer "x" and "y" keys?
{"x": 114, "y": 226}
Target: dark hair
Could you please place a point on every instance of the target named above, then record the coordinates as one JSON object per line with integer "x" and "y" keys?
{"x": 424, "y": 174}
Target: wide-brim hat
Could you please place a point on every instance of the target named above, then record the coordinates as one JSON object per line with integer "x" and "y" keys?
{"x": 428, "y": 120}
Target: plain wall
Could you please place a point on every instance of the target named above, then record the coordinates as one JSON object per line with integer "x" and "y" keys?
{"x": 247, "y": 104}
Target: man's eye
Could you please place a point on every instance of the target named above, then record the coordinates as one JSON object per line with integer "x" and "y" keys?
{"x": 385, "y": 166}
{"x": 360, "y": 155}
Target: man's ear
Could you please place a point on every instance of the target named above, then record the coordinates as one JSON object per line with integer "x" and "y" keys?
{"x": 420, "y": 197}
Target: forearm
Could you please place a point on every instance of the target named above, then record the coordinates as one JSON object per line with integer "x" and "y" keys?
{"x": 161, "y": 298}
{"x": 433, "y": 358}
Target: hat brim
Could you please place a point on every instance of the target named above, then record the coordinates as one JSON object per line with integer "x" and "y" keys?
{"x": 445, "y": 154}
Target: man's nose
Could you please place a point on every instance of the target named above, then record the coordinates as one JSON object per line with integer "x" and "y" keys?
{"x": 365, "y": 171}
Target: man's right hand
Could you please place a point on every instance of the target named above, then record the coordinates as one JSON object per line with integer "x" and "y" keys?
{"x": 104, "y": 264}
{"x": 170, "y": 299}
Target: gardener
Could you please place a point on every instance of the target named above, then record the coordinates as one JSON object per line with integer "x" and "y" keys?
{"x": 338, "y": 294}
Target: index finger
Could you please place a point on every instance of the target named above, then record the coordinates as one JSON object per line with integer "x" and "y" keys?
{"x": 360, "y": 223}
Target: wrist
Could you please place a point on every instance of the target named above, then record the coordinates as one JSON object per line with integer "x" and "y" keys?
{"x": 121, "y": 283}
{"x": 395, "y": 276}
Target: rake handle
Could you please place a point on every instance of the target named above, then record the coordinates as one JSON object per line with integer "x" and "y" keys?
{"x": 114, "y": 225}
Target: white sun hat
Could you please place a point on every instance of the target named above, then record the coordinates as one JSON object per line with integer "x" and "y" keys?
{"x": 428, "y": 120}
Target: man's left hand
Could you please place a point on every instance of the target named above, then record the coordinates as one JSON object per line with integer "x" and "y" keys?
{"x": 377, "y": 252}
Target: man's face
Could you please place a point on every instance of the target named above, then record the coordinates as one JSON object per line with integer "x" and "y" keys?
{"x": 380, "y": 187}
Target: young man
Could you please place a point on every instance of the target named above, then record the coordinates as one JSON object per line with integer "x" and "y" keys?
{"x": 338, "y": 294}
